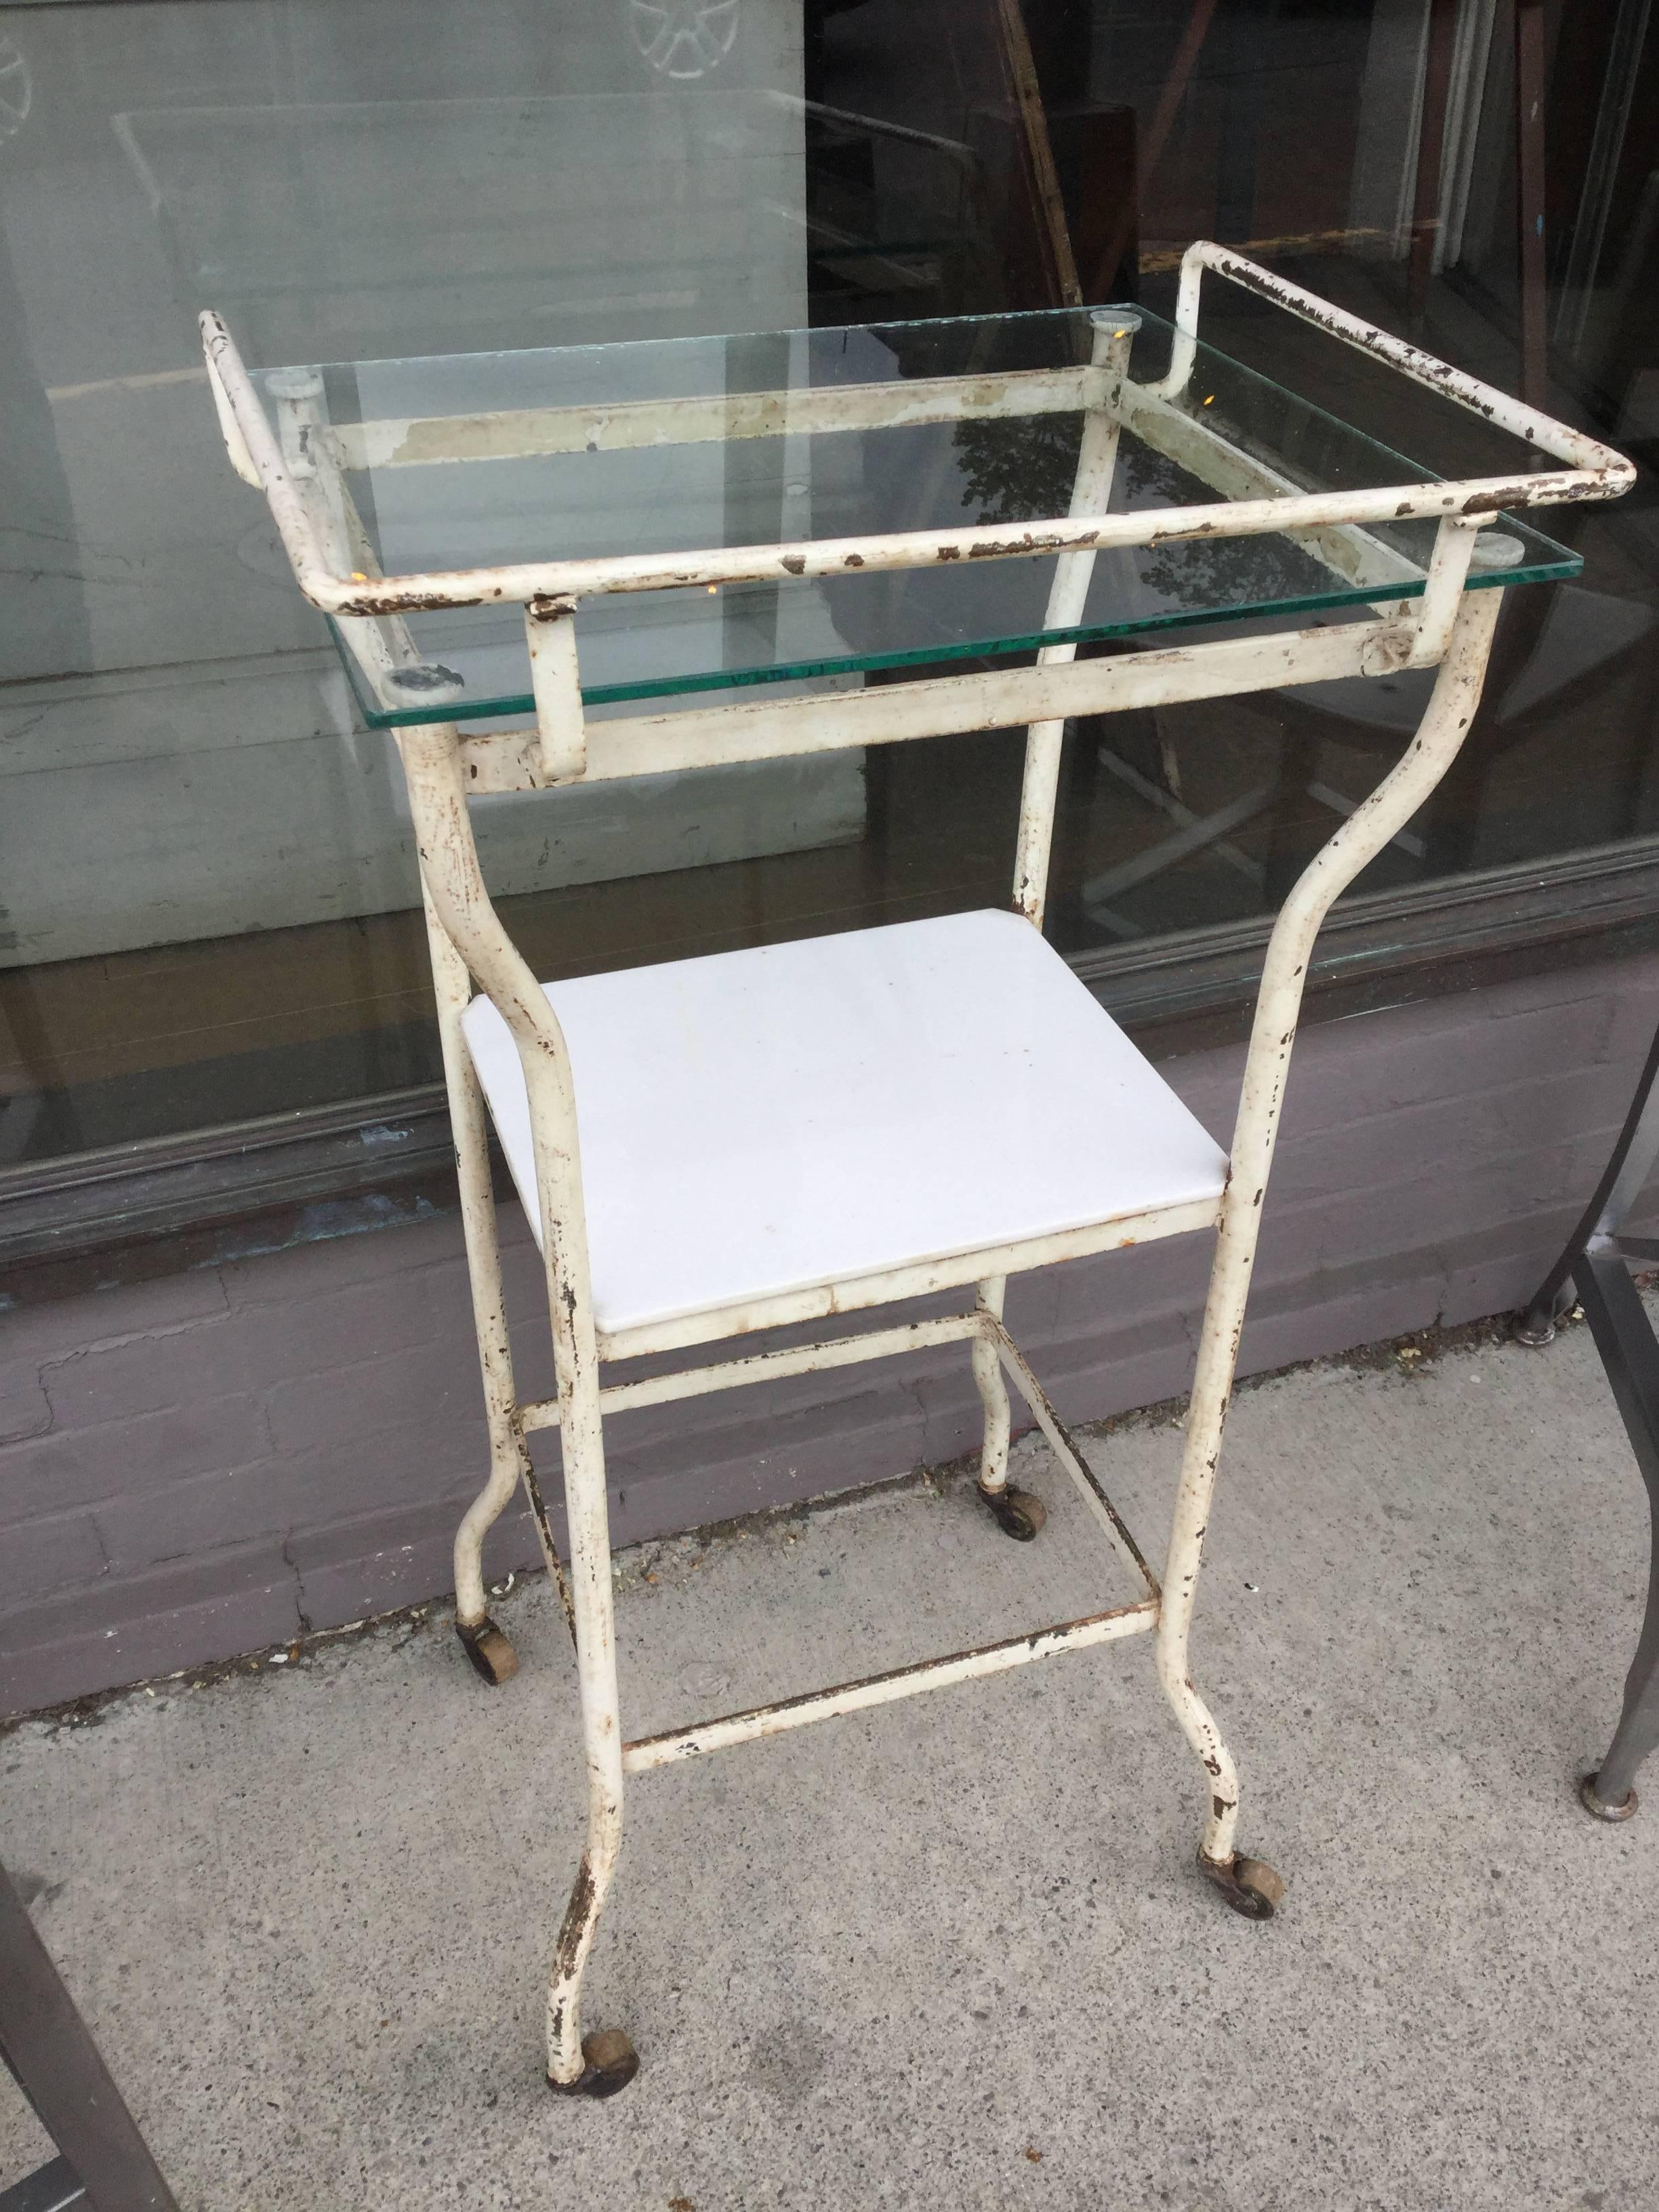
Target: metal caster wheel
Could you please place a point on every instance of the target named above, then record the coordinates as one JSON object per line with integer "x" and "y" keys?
{"x": 1016, "y": 1512}
{"x": 490, "y": 1652}
{"x": 1535, "y": 1328}
{"x": 1250, "y": 1886}
{"x": 1599, "y": 1808}
{"x": 609, "y": 2063}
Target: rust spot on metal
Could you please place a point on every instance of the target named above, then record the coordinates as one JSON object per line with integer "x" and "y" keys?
{"x": 1491, "y": 502}
{"x": 578, "y": 1914}
{"x": 795, "y": 563}
{"x": 1220, "y": 1808}
{"x": 854, "y": 561}
{"x": 413, "y": 603}
{"x": 949, "y": 553}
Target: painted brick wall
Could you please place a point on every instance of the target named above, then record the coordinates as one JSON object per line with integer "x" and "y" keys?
{"x": 202, "y": 1465}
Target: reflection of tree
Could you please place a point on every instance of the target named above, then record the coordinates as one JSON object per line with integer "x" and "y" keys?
{"x": 1019, "y": 471}
{"x": 1023, "y": 470}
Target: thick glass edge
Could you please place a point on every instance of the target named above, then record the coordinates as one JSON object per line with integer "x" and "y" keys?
{"x": 794, "y": 671}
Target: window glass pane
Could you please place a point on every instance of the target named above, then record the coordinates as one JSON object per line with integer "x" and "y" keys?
{"x": 209, "y": 910}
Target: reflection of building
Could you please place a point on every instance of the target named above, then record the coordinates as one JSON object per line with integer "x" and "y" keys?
{"x": 683, "y": 38}
{"x": 372, "y": 179}
{"x": 375, "y": 228}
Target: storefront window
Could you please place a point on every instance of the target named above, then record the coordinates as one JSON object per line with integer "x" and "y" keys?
{"x": 208, "y": 910}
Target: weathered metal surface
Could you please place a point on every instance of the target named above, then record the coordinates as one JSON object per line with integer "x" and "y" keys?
{"x": 768, "y": 1366}
{"x": 1443, "y": 595}
{"x": 449, "y": 869}
{"x": 946, "y": 706}
{"x": 1598, "y": 472}
{"x": 1593, "y": 470}
{"x": 550, "y": 634}
{"x": 992, "y": 1391}
{"x": 534, "y": 433}
{"x": 1091, "y": 492}
{"x": 1267, "y": 1064}
{"x": 881, "y": 1689}
{"x": 955, "y": 1271}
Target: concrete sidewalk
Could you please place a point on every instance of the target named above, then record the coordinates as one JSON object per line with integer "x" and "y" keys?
{"x": 953, "y": 1954}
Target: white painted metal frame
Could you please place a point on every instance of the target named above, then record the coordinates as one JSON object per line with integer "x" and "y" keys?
{"x": 303, "y": 471}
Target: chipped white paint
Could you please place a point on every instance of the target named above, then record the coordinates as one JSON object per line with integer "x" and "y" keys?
{"x": 301, "y": 472}
{"x": 881, "y": 1689}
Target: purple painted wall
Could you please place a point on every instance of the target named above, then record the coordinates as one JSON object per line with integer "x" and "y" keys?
{"x": 200, "y": 1466}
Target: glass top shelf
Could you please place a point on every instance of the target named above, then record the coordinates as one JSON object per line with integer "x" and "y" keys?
{"x": 473, "y": 460}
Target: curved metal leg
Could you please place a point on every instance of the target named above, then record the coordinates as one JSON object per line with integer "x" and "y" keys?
{"x": 460, "y": 903}
{"x": 1249, "y": 1886}
{"x": 1624, "y": 1339}
{"x": 1629, "y": 1166}
{"x": 490, "y": 1651}
{"x": 1224, "y": 1322}
{"x": 1610, "y": 1792}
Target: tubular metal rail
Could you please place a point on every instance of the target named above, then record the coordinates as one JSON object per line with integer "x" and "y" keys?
{"x": 301, "y": 466}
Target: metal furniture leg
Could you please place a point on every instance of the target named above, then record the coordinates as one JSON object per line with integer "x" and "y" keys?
{"x": 490, "y": 1651}
{"x": 1249, "y": 1885}
{"x": 604, "y": 2063}
{"x": 53, "y": 2057}
{"x": 1594, "y": 1265}
{"x": 54, "y": 2187}
{"x": 1624, "y": 1339}
{"x": 1017, "y": 1513}
{"x": 1632, "y": 1162}
{"x": 600, "y": 2064}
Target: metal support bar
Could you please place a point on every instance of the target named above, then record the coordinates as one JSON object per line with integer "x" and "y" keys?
{"x": 947, "y": 706}
{"x": 767, "y": 1367}
{"x": 1443, "y": 595}
{"x": 719, "y": 418}
{"x": 1601, "y": 473}
{"x": 1091, "y": 491}
{"x": 881, "y": 1689}
{"x": 922, "y": 1280}
{"x": 1060, "y": 1443}
{"x": 550, "y": 633}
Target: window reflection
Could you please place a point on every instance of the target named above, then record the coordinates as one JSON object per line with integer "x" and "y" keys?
{"x": 208, "y": 898}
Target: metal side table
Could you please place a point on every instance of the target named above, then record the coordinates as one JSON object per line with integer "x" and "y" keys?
{"x": 688, "y": 555}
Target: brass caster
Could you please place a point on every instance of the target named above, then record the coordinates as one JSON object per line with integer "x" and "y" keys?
{"x": 1250, "y": 1886}
{"x": 489, "y": 1651}
{"x": 609, "y": 2063}
{"x": 1016, "y": 1512}
{"x": 1598, "y": 1808}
